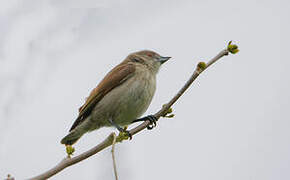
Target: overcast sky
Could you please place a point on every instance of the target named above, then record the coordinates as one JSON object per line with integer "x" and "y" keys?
{"x": 233, "y": 123}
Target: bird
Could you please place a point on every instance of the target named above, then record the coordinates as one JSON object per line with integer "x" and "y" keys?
{"x": 122, "y": 96}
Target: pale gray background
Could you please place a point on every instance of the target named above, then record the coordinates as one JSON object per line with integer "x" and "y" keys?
{"x": 233, "y": 123}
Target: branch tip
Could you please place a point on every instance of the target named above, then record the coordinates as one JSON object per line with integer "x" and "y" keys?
{"x": 232, "y": 48}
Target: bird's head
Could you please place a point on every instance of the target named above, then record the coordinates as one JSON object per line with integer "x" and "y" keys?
{"x": 150, "y": 59}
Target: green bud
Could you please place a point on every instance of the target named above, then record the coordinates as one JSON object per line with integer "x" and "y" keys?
{"x": 170, "y": 116}
{"x": 70, "y": 150}
{"x": 201, "y": 65}
{"x": 122, "y": 136}
{"x": 167, "y": 112}
{"x": 232, "y": 48}
{"x": 125, "y": 128}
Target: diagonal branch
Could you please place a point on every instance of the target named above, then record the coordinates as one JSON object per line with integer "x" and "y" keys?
{"x": 161, "y": 113}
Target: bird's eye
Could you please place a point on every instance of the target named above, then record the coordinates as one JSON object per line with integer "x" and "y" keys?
{"x": 150, "y": 55}
{"x": 136, "y": 60}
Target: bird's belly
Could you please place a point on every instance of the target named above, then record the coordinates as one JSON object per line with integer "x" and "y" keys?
{"x": 125, "y": 103}
{"x": 133, "y": 102}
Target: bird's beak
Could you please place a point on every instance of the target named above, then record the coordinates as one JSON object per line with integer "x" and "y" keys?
{"x": 163, "y": 59}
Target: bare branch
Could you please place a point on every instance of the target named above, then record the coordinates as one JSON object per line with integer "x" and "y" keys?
{"x": 66, "y": 162}
{"x": 162, "y": 112}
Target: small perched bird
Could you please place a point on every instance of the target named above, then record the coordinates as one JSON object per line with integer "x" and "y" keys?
{"x": 121, "y": 97}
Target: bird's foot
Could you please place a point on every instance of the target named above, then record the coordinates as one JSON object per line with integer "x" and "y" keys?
{"x": 152, "y": 120}
{"x": 123, "y": 133}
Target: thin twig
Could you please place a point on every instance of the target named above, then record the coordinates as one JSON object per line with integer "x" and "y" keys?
{"x": 109, "y": 140}
{"x": 165, "y": 108}
{"x": 113, "y": 156}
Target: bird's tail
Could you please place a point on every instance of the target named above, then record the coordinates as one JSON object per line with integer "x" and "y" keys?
{"x": 72, "y": 137}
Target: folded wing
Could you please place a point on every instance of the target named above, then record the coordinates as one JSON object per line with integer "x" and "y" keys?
{"x": 114, "y": 78}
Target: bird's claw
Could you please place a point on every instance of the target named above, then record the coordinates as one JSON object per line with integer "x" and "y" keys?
{"x": 152, "y": 120}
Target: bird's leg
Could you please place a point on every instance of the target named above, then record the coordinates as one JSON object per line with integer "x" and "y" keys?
{"x": 151, "y": 118}
{"x": 120, "y": 129}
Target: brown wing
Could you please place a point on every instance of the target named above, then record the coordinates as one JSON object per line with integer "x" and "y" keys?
{"x": 114, "y": 78}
